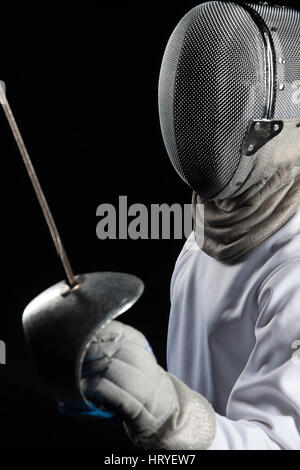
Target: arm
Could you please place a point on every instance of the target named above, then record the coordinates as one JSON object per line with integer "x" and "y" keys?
{"x": 161, "y": 412}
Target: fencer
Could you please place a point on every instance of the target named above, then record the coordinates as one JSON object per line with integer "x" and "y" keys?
{"x": 230, "y": 120}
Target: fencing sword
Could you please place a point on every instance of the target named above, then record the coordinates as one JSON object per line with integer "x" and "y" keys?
{"x": 60, "y": 323}
{"x": 37, "y": 188}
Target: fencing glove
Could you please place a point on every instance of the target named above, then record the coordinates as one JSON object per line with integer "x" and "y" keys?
{"x": 159, "y": 411}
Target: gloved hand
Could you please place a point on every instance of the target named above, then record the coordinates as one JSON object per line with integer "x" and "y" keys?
{"x": 159, "y": 411}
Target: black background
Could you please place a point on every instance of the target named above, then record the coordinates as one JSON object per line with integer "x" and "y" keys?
{"x": 82, "y": 82}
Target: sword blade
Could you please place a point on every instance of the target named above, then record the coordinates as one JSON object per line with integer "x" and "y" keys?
{"x": 37, "y": 188}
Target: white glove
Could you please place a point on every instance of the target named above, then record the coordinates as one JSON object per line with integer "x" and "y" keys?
{"x": 160, "y": 412}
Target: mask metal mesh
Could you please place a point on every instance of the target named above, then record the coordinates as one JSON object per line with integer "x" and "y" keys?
{"x": 212, "y": 83}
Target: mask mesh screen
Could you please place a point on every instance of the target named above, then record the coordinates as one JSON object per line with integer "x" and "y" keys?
{"x": 212, "y": 83}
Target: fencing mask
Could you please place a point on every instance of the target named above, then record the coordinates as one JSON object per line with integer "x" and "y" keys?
{"x": 229, "y": 104}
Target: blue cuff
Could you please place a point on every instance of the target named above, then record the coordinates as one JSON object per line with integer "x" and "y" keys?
{"x": 82, "y": 409}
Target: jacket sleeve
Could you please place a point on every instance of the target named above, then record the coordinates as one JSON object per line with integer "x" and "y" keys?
{"x": 263, "y": 410}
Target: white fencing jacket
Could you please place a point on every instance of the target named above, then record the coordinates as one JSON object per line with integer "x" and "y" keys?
{"x": 233, "y": 336}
